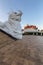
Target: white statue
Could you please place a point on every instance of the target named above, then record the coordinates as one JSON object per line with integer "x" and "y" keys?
{"x": 12, "y": 26}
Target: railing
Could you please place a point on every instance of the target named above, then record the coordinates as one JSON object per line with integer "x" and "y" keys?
{"x": 33, "y": 33}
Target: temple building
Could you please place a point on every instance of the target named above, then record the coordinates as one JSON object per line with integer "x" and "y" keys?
{"x": 30, "y": 28}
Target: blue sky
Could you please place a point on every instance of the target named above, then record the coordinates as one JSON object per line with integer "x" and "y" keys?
{"x": 32, "y": 11}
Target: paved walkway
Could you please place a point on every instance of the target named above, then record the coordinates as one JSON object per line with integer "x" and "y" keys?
{"x": 28, "y": 51}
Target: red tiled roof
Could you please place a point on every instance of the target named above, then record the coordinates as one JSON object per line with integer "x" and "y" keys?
{"x": 31, "y": 26}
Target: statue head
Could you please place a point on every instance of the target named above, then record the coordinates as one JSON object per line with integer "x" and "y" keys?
{"x": 15, "y": 16}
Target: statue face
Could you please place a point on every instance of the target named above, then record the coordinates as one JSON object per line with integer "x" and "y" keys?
{"x": 15, "y": 16}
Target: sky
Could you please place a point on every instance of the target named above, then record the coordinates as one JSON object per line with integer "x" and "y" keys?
{"x": 32, "y": 11}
